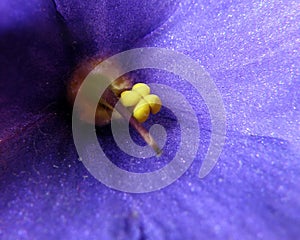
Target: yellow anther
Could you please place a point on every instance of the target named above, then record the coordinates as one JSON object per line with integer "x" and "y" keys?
{"x": 154, "y": 103}
{"x": 141, "y": 88}
{"x": 142, "y": 101}
{"x": 141, "y": 111}
{"x": 130, "y": 98}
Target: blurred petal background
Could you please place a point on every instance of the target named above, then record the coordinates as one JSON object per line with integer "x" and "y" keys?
{"x": 250, "y": 49}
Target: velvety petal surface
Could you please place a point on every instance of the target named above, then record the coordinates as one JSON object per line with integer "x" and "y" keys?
{"x": 106, "y": 27}
{"x": 251, "y": 50}
{"x": 34, "y": 59}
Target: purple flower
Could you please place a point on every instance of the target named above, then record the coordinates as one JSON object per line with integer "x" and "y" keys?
{"x": 251, "y": 50}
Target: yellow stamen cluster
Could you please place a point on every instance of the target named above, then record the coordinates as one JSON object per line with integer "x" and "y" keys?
{"x": 142, "y": 102}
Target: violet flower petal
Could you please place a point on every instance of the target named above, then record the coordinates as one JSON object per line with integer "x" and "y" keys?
{"x": 106, "y": 27}
{"x": 253, "y": 191}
